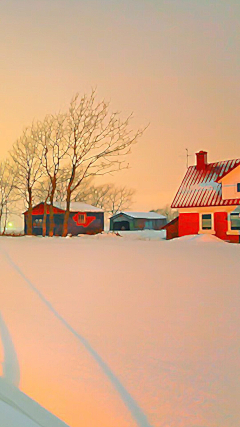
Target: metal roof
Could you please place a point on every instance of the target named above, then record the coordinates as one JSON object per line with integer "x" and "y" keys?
{"x": 201, "y": 187}
{"x": 141, "y": 215}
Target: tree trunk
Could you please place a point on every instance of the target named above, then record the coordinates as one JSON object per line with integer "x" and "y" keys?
{"x": 44, "y": 224}
{"x": 51, "y": 220}
{"x": 5, "y": 219}
{"x": 66, "y": 215}
{"x": 51, "y": 211}
{"x": 29, "y": 221}
{"x": 29, "y": 214}
{"x": 5, "y": 225}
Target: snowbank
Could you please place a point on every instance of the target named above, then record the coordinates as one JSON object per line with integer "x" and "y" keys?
{"x": 144, "y": 234}
{"x": 198, "y": 238}
{"x": 132, "y": 235}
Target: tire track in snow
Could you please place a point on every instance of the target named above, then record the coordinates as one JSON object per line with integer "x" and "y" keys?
{"x": 10, "y": 365}
{"x": 10, "y": 395}
{"x": 135, "y": 410}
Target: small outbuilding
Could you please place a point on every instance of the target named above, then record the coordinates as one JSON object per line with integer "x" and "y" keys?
{"x": 83, "y": 219}
{"x": 172, "y": 229}
{"x": 133, "y": 221}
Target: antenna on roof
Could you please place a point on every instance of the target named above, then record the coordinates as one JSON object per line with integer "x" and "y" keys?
{"x": 187, "y": 155}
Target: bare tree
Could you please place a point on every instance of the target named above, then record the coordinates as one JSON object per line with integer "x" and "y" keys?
{"x": 81, "y": 194}
{"x": 110, "y": 197}
{"x": 43, "y": 191}
{"x": 50, "y": 135}
{"x": 7, "y": 190}
{"x": 119, "y": 198}
{"x": 97, "y": 142}
{"x": 27, "y": 160}
{"x": 96, "y": 195}
{"x": 168, "y": 212}
{"x": 60, "y": 193}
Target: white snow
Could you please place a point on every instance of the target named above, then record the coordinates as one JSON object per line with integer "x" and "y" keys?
{"x": 139, "y": 234}
{"x": 115, "y": 331}
{"x": 78, "y": 207}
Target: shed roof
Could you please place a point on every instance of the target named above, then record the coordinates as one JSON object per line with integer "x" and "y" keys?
{"x": 201, "y": 187}
{"x": 141, "y": 215}
{"x": 174, "y": 221}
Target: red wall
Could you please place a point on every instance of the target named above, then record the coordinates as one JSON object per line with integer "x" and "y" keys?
{"x": 172, "y": 229}
{"x": 188, "y": 224}
{"x": 221, "y": 227}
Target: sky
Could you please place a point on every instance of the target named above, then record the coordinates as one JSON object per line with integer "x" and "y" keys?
{"x": 174, "y": 63}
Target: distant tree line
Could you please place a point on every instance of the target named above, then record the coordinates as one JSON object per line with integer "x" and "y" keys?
{"x": 167, "y": 211}
{"x": 58, "y": 158}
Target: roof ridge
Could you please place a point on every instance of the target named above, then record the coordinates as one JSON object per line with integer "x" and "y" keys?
{"x": 214, "y": 163}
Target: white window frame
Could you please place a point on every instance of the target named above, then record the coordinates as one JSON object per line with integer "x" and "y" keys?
{"x": 84, "y": 217}
{"x": 204, "y": 231}
{"x": 230, "y": 231}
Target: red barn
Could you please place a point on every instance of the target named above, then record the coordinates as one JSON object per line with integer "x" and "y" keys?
{"x": 83, "y": 219}
{"x": 208, "y": 200}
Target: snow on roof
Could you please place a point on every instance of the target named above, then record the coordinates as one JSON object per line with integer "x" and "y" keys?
{"x": 201, "y": 187}
{"x": 78, "y": 207}
{"x": 143, "y": 215}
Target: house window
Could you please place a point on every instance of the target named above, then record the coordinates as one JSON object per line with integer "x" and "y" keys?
{"x": 37, "y": 223}
{"x": 238, "y": 187}
{"x": 235, "y": 221}
{"x": 206, "y": 221}
{"x": 81, "y": 218}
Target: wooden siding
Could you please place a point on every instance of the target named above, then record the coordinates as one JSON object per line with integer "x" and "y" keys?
{"x": 93, "y": 222}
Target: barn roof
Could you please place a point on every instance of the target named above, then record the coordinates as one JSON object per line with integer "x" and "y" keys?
{"x": 60, "y": 207}
{"x": 39, "y": 209}
{"x": 141, "y": 215}
{"x": 202, "y": 187}
{"x": 78, "y": 207}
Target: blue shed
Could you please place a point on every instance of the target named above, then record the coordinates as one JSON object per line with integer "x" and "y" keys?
{"x": 133, "y": 221}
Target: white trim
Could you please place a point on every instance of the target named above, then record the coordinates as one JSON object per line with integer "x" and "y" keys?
{"x": 205, "y": 209}
{"x": 209, "y": 231}
{"x": 233, "y": 233}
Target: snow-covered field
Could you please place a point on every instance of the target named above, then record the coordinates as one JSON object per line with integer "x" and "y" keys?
{"x": 107, "y": 331}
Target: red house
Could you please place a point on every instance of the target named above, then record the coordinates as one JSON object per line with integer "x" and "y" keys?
{"x": 208, "y": 200}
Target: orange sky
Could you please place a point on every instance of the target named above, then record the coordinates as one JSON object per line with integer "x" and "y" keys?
{"x": 174, "y": 63}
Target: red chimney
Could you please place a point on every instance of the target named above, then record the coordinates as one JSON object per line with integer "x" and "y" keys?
{"x": 201, "y": 160}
